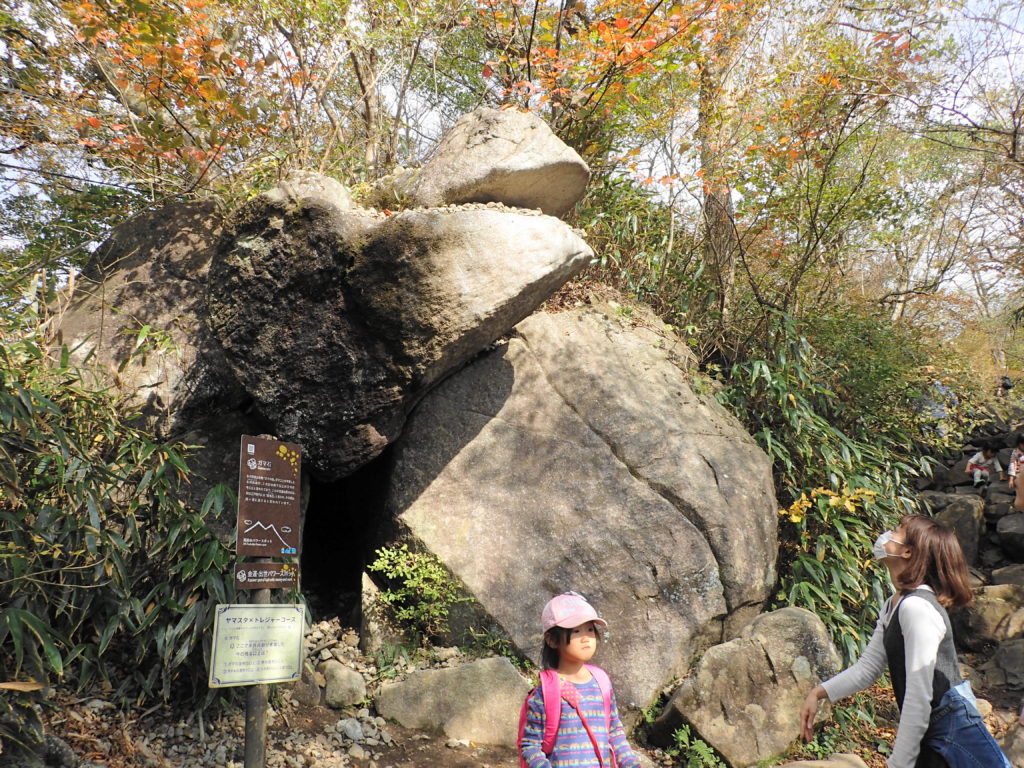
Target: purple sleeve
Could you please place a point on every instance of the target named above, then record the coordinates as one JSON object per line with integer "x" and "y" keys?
{"x": 625, "y": 757}
{"x": 533, "y": 732}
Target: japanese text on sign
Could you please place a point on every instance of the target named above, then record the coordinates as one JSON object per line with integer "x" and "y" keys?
{"x": 266, "y": 575}
{"x": 268, "y": 498}
{"x": 254, "y": 644}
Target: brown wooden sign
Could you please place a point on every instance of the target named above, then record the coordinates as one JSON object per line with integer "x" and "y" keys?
{"x": 266, "y": 575}
{"x": 268, "y": 498}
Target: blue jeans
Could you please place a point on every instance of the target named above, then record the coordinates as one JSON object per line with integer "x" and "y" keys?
{"x": 958, "y": 733}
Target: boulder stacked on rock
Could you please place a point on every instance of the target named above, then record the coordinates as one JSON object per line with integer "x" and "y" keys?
{"x": 548, "y": 452}
{"x": 305, "y": 316}
{"x": 492, "y": 155}
{"x": 336, "y": 322}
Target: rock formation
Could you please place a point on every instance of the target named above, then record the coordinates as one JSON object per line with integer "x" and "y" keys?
{"x": 151, "y": 273}
{"x": 493, "y": 155}
{"x": 478, "y": 701}
{"x": 577, "y": 456}
{"x": 545, "y": 452}
{"x": 335, "y": 323}
{"x": 743, "y": 696}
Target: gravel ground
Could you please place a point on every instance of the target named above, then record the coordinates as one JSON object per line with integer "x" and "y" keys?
{"x": 303, "y": 735}
{"x": 299, "y": 735}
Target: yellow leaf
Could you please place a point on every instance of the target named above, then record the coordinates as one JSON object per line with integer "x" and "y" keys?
{"x": 22, "y": 687}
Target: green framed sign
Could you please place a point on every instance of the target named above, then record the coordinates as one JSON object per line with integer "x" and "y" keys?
{"x": 256, "y": 644}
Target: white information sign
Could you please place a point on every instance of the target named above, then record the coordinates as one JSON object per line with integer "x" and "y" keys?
{"x": 254, "y": 644}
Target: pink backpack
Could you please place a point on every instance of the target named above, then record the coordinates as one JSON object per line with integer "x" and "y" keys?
{"x": 552, "y": 695}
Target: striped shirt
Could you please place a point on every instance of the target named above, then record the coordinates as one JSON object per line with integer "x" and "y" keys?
{"x": 573, "y": 747}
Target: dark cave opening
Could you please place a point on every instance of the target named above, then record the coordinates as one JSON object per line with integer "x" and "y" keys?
{"x": 345, "y": 523}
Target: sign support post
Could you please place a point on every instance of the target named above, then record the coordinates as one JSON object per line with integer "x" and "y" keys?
{"x": 260, "y": 645}
{"x": 256, "y": 703}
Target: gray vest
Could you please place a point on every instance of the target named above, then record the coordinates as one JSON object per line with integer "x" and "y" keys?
{"x": 947, "y": 669}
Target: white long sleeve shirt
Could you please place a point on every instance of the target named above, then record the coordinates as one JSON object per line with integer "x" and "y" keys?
{"x": 923, "y": 630}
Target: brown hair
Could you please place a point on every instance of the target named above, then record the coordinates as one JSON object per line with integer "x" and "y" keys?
{"x": 936, "y": 559}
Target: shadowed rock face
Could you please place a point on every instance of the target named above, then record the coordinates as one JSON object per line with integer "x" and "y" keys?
{"x": 336, "y": 322}
{"x": 152, "y": 271}
{"x": 576, "y": 456}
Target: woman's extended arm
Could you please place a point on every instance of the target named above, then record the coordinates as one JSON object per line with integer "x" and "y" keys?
{"x": 867, "y": 669}
{"x": 864, "y": 672}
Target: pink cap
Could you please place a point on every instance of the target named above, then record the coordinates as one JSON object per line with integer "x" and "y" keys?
{"x": 569, "y": 610}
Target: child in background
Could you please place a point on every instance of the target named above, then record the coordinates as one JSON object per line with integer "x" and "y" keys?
{"x": 1016, "y": 472}
{"x": 588, "y": 736}
{"x": 982, "y": 465}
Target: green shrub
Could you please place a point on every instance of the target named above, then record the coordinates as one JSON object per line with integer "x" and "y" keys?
{"x": 21, "y": 727}
{"x": 419, "y": 590}
{"x": 852, "y": 728}
{"x": 844, "y": 477}
{"x": 688, "y": 751}
{"x": 99, "y": 557}
{"x": 827, "y": 537}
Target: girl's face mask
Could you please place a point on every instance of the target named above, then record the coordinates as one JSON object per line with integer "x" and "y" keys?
{"x": 878, "y": 548}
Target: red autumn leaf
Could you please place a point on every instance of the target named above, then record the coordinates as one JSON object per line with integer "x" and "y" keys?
{"x": 622, "y": 23}
{"x": 488, "y": 71}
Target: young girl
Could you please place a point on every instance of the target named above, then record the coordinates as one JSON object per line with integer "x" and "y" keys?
{"x": 587, "y": 736}
{"x": 939, "y": 722}
{"x": 981, "y": 466}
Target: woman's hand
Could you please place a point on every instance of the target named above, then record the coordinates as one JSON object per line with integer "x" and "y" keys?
{"x": 809, "y": 711}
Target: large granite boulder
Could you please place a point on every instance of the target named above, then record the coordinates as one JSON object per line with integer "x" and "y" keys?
{"x": 1011, "y": 574}
{"x": 137, "y": 311}
{"x": 965, "y": 516}
{"x": 1006, "y": 667}
{"x": 576, "y": 456}
{"x": 935, "y": 501}
{"x": 300, "y": 186}
{"x": 744, "y": 695}
{"x": 336, "y": 321}
{"x": 479, "y": 701}
{"x": 1011, "y": 536}
{"x": 997, "y": 614}
{"x": 493, "y": 155}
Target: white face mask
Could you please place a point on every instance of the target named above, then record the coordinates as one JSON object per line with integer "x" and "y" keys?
{"x": 878, "y": 548}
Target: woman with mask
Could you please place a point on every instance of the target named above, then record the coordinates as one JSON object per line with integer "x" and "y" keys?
{"x": 939, "y": 722}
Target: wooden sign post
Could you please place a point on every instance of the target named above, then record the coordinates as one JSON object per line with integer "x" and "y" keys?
{"x": 269, "y": 488}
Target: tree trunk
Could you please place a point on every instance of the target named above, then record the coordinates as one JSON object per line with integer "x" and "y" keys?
{"x": 721, "y": 243}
